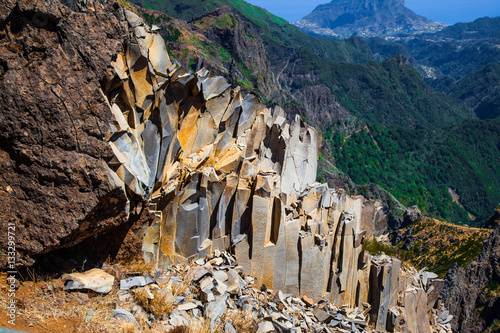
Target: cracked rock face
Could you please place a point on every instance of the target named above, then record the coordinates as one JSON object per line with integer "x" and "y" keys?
{"x": 53, "y": 120}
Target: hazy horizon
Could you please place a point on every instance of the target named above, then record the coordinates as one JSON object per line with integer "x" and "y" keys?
{"x": 446, "y": 11}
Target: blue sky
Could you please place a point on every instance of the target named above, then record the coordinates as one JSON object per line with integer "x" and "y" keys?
{"x": 447, "y": 11}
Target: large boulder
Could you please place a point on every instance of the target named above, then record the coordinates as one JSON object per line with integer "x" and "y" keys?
{"x": 53, "y": 122}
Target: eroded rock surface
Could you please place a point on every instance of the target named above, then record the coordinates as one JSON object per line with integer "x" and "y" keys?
{"x": 53, "y": 120}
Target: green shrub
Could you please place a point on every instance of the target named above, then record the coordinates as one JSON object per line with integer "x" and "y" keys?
{"x": 375, "y": 247}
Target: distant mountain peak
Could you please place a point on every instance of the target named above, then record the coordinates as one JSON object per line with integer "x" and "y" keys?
{"x": 365, "y": 18}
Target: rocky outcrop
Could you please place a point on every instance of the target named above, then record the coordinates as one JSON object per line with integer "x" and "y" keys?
{"x": 222, "y": 172}
{"x": 473, "y": 294}
{"x": 53, "y": 119}
{"x": 368, "y": 18}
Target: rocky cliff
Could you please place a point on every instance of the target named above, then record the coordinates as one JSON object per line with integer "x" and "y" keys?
{"x": 473, "y": 294}
{"x": 223, "y": 172}
{"x": 366, "y": 18}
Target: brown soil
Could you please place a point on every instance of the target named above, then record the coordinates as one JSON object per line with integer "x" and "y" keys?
{"x": 45, "y": 307}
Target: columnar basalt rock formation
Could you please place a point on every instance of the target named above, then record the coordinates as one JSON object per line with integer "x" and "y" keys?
{"x": 222, "y": 172}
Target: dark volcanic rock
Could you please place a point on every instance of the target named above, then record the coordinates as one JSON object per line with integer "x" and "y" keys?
{"x": 53, "y": 119}
{"x": 473, "y": 295}
{"x": 365, "y": 18}
{"x": 411, "y": 215}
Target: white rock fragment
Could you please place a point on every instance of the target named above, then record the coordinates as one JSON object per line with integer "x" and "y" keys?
{"x": 95, "y": 279}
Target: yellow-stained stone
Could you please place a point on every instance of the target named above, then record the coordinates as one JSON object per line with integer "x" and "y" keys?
{"x": 229, "y": 160}
{"x": 207, "y": 132}
{"x": 188, "y": 130}
{"x": 142, "y": 82}
{"x": 120, "y": 66}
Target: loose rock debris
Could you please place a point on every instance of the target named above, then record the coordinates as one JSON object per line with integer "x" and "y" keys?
{"x": 215, "y": 292}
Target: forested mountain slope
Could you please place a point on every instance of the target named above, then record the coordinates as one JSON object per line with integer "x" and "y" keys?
{"x": 449, "y": 173}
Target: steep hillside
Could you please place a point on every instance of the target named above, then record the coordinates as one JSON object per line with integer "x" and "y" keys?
{"x": 481, "y": 91}
{"x": 272, "y": 29}
{"x": 283, "y": 56}
{"x": 365, "y": 18}
{"x": 384, "y": 49}
{"x": 428, "y": 167}
{"x": 391, "y": 93}
{"x": 485, "y": 27}
{"x": 473, "y": 294}
{"x": 438, "y": 245}
{"x": 461, "y": 60}
{"x": 243, "y": 48}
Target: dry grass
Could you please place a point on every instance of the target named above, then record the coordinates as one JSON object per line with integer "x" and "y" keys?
{"x": 161, "y": 304}
{"x": 195, "y": 326}
{"x": 140, "y": 267}
{"x": 37, "y": 306}
{"x": 100, "y": 319}
{"x": 439, "y": 244}
{"x": 43, "y": 308}
{"x": 127, "y": 327}
{"x": 47, "y": 305}
{"x": 180, "y": 288}
{"x": 200, "y": 326}
{"x": 241, "y": 320}
{"x": 142, "y": 297}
